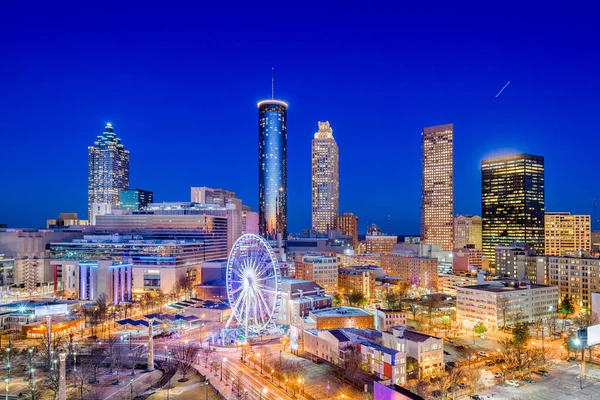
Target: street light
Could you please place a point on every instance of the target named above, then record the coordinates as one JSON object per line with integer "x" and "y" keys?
{"x": 131, "y": 388}
{"x": 206, "y": 382}
{"x": 7, "y": 383}
{"x": 222, "y": 361}
{"x": 272, "y": 371}
{"x": 264, "y": 391}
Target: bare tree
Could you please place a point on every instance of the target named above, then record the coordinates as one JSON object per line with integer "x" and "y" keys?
{"x": 79, "y": 381}
{"x": 95, "y": 360}
{"x": 503, "y": 305}
{"x": 185, "y": 354}
{"x": 135, "y": 355}
{"x": 49, "y": 348}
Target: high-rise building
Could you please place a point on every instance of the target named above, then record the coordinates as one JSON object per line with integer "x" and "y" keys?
{"x": 566, "y": 233}
{"x": 272, "y": 168}
{"x": 419, "y": 271}
{"x": 205, "y": 195}
{"x": 322, "y": 270}
{"x": 576, "y": 276}
{"x": 135, "y": 199}
{"x": 348, "y": 224}
{"x": 325, "y": 180}
{"x": 64, "y": 220}
{"x": 512, "y": 203}
{"x": 467, "y": 230}
{"x": 437, "y": 186}
{"x": 108, "y": 169}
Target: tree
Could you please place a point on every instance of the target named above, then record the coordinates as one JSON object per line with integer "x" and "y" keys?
{"x": 412, "y": 366}
{"x": 585, "y": 319}
{"x": 503, "y": 305}
{"x": 80, "y": 380}
{"x": 566, "y": 306}
{"x": 480, "y": 328}
{"x": 357, "y": 299}
{"x": 183, "y": 286}
{"x": 446, "y": 322}
{"x": 521, "y": 336}
{"x": 135, "y": 355}
{"x": 337, "y": 299}
{"x": 185, "y": 355}
{"x": 431, "y": 307}
{"x": 570, "y": 343}
{"x": 392, "y": 300}
{"x": 49, "y": 348}
{"x": 95, "y": 360}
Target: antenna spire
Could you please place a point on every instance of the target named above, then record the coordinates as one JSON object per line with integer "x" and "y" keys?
{"x": 272, "y": 83}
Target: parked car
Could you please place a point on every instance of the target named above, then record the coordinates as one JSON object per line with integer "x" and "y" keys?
{"x": 498, "y": 375}
{"x": 477, "y": 397}
{"x": 528, "y": 380}
{"x": 460, "y": 348}
{"x": 463, "y": 385}
{"x": 513, "y": 383}
{"x": 451, "y": 364}
{"x": 315, "y": 359}
{"x": 500, "y": 361}
{"x": 450, "y": 340}
{"x": 490, "y": 363}
{"x": 482, "y": 354}
{"x": 446, "y": 353}
{"x": 541, "y": 372}
{"x": 437, "y": 393}
{"x": 571, "y": 359}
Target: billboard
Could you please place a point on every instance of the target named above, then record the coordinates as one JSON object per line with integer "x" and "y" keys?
{"x": 51, "y": 309}
{"x": 593, "y": 335}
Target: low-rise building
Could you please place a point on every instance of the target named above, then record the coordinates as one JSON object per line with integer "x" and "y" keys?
{"x": 500, "y": 303}
{"x": 390, "y": 391}
{"x": 576, "y": 276}
{"x": 420, "y": 271}
{"x": 323, "y": 270}
{"x": 298, "y": 298}
{"x": 380, "y": 243}
{"x": 339, "y": 317}
{"x": 467, "y": 258}
{"x": 426, "y": 349}
{"x": 447, "y": 283}
{"x": 347, "y": 260}
{"x": 357, "y": 280}
{"x": 518, "y": 261}
{"x": 386, "y": 319}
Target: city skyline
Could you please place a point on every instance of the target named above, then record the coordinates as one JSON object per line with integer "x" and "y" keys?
{"x": 531, "y": 115}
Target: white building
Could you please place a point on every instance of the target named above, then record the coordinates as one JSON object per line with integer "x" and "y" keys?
{"x": 426, "y": 349}
{"x": 386, "y": 319}
{"x": 500, "y": 303}
{"x": 298, "y": 298}
{"x": 576, "y": 277}
{"x": 96, "y": 278}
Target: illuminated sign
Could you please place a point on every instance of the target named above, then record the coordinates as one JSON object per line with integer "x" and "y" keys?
{"x": 52, "y": 309}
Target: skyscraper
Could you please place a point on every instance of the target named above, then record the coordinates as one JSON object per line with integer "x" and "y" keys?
{"x": 437, "y": 186}
{"x": 272, "y": 168}
{"x": 325, "y": 182}
{"x": 108, "y": 169}
{"x": 348, "y": 224}
{"x": 467, "y": 230}
{"x": 512, "y": 202}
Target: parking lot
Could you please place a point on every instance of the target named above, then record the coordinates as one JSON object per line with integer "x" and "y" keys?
{"x": 560, "y": 385}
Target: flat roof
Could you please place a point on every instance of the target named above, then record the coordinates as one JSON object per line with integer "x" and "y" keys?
{"x": 340, "y": 311}
{"x": 500, "y": 289}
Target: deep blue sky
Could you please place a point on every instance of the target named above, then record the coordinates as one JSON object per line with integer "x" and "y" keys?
{"x": 180, "y": 85}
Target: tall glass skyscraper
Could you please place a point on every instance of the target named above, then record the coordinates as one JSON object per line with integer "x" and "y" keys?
{"x": 437, "y": 186}
{"x": 512, "y": 202}
{"x": 108, "y": 169}
{"x": 135, "y": 199}
{"x": 272, "y": 168}
{"x": 325, "y": 180}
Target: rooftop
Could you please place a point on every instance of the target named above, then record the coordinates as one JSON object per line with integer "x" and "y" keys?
{"x": 413, "y": 336}
{"x": 341, "y": 311}
{"x": 495, "y": 288}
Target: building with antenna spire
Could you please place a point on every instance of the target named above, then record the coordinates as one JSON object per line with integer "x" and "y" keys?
{"x": 108, "y": 170}
{"x": 272, "y": 166}
{"x": 325, "y": 180}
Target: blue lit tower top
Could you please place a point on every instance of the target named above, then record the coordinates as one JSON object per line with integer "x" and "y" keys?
{"x": 272, "y": 168}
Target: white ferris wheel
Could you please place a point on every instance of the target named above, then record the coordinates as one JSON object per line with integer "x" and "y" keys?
{"x": 253, "y": 285}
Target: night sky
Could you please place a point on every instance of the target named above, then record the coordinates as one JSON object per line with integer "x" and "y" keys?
{"x": 180, "y": 86}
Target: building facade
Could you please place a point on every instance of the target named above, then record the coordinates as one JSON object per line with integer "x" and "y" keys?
{"x": 464, "y": 259}
{"x": 323, "y": 270}
{"x": 348, "y": 224}
{"x": 437, "y": 186}
{"x": 576, "y": 277}
{"x": 386, "y": 319}
{"x": 419, "y": 271}
{"x": 356, "y": 280}
{"x": 467, "y": 230}
{"x": 135, "y": 199}
{"x": 564, "y": 232}
{"x": 108, "y": 169}
{"x": 449, "y": 282}
{"x": 66, "y": 220}
{"x": 426, "y": 349}
{"x": 339, "y": 317}
{"x": 325, "y": 180}
{"x": 512, "y": 202}
{"x": 502, "y": 303}
{"x": 114, "y": 280}
{"x": 272, "y": 168}
{"x": 380, "y": 243}
{"x": 298, "y": 298}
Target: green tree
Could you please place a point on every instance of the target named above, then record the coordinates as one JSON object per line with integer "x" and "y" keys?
{"x": 521, "y": 336}
{"x": 392, "y": 300}
{"x": 412, "y": 365}
{"x": 337, "y": 299}
{"x": 480, "y": 328}
{"x": 570, "y": 344}
{"x": 566, "y": 306}
{"x": 357, "y": 299}
{"x": 446, "y": 321}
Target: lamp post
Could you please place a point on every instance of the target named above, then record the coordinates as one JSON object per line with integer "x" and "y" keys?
{"x": 32, "y": 383}
{"x": 75, "y": 361}
{"x": 222, "y": 361}
{"x": 286, "y": 384}
{"x": 272, "y": 372}
{"x": 206, "y": 382}
{"x": 264, "y": 391}
{"x": 301, "y": 381}
{"x": 131, "y": 388}
{"x": 7, "y": 383}
{"x": 245, "y": 394}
